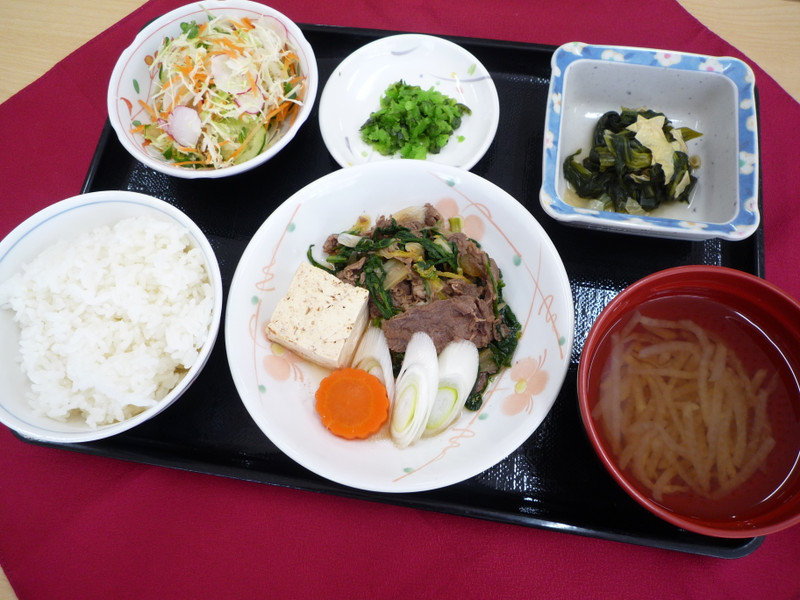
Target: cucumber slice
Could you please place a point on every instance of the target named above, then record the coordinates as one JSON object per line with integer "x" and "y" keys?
{"x": 254, "y": 146}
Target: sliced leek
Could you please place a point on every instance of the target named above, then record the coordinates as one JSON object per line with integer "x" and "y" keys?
{"x": 415, "y": 390}
{"x": 372, "y": 356}
{"x": 458, "y": 370}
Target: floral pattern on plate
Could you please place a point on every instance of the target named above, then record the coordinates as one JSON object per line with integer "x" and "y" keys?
{"x": 714, "y": 95}
{"x": 278, "y": 388}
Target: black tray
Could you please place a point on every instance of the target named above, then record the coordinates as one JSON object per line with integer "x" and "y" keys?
{"x": 554, "y": 481}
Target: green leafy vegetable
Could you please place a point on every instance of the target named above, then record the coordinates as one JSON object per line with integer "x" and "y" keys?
{"x": 496, "y": 356}
{"x": 190, "y": 29}
{"x": 637, "y": 162}
{"x": 412, "y": 121}
{"x": 403, "y": 248}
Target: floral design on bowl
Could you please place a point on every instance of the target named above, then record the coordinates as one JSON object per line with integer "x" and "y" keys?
{"x": 278, "y": 388}
{"x": 713, "y": 95}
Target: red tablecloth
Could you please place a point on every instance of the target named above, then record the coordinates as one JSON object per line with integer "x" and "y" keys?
{"x": 77, "y": 526}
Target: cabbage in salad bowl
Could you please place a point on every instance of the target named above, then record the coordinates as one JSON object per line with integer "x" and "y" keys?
{"x": 212, "y": 89}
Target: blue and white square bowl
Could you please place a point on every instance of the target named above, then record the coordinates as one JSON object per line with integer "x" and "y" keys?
{"x": 712, "y": 95}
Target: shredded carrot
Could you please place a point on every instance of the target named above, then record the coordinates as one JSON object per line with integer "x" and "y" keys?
{"x": 172, "y": 81}
{"x": 187, "y": 66}
{"x": 352, "y": 403}
{"x": 200, "y": 81}
{"x": 226, "y": 42}
{"x": 252, "y": 82}
{"x": 276, "y": 112}
{"x": 188, "y": 80}
{"x": 223, "y": 52}
{"x": 186, "y": 149}
{"x": 186, "y": 163}
{"x": 150, "y": 111}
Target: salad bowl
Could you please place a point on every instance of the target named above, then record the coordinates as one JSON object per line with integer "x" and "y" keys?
{"x": 232, "y": 109}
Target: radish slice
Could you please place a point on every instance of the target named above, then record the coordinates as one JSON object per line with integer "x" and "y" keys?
{"x": 230, "y": 74}
{"x": 220, "y": 72}
{"x": 275, "y": 27}
{"x": 184, "y": 125}
{"x": 415, "y": 390}
{"x": 250, "y": 102}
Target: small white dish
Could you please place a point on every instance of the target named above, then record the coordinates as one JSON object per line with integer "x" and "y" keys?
{"x": 278, "y": 388}
{"x": 132, "y": 81}
{"x": 62, "y": 221}
{"x": 356, "y": 86}
{"x": 712, "y": 95}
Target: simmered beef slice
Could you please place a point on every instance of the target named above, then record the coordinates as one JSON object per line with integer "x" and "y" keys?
{"x": 460, "y": 317}
{"x": 472, "y": 259}
{"x": 330, "y": 244}
{"x": 352, "y": 273}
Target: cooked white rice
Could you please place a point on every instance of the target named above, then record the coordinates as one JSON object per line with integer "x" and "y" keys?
{"x": 111, "y": 321}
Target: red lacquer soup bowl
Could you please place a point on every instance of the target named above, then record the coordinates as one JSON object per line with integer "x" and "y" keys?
{"x": 689, "y": 389}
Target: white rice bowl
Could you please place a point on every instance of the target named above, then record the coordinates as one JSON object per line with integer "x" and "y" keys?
{"x": 110, "y": 303}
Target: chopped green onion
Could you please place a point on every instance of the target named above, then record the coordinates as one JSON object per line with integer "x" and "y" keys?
{"x": 412, "y": 122}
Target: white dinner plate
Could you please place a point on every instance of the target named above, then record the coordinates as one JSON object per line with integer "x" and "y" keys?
{"x": 278, "y": 388}
{"x": 356, "y": 86}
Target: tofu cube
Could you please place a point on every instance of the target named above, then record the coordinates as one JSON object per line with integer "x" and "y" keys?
{"x": 321, "y": 318}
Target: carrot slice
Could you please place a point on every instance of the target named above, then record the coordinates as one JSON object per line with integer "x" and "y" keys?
{"x": 352, "y": 403}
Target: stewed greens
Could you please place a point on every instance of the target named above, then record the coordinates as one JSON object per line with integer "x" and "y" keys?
{"x": 637, "y": 162}
{"x": 423, "y": 273}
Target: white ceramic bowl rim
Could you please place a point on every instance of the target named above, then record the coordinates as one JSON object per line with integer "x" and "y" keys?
{"x": 122, "y": 87}
{"x": 22, "y": 244}
{"x": 747, "y": 217}
{"x": 355, "y": 86}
